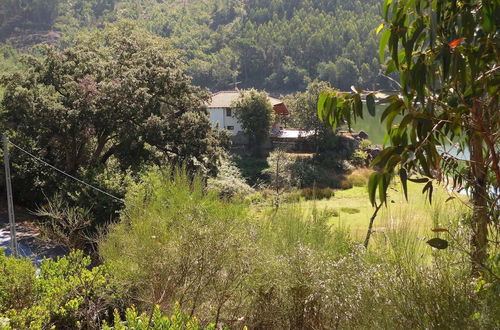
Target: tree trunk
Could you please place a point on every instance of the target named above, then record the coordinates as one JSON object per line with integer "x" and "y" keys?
{"x": 479, "y": 221}
{"x": 101, "y": 143}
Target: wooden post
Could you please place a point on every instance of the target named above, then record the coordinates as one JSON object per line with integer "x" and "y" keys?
{"x": 10, "y": 204}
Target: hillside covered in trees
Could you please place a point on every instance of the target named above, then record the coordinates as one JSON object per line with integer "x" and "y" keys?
{"x": 275, "y": 45}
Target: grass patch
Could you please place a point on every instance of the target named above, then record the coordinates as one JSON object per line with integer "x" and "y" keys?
{"x": 359, "y": 177}
{"x": 331, "y": 212}
{"x": 349, "y": 210}
{"x": 354, "y": 210}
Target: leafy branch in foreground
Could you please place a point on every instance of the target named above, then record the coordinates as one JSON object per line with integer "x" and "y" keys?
{"x": 446, "y": 55}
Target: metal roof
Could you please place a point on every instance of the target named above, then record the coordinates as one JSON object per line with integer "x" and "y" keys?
{"x": 224, "y": 99}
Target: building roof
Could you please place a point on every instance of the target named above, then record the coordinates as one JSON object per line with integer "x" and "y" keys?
{"x": 224, "y": 99}
{"x": 291, "y": 133}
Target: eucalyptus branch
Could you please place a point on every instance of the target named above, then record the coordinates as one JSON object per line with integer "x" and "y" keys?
{"x": 487, "y": 73}
{"x": 391, "y": 79}
{"x": 370, "y": 226}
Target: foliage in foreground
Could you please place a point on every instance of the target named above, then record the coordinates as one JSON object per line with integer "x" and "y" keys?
{"x": 284, "y": 269}
{"x": 448, "y": 69}
{"x": 155, "y": 320}
{"x": 178, "y": 243}
{"x": 64, "y": 294}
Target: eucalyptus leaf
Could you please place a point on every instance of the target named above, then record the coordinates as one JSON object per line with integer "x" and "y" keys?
{"x": 438, "y": 243}
{"x": 370, "y": 104}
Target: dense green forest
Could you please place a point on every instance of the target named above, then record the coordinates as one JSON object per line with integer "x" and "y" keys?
{"x": 275, "y": 45}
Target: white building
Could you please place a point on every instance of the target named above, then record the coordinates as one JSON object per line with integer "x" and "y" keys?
{"x": 222, "y": 114}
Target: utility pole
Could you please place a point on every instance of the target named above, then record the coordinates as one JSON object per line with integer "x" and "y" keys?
{"x": 10, "y": 204}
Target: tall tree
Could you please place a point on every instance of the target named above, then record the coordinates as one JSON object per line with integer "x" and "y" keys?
{"x": 255, "y": 113}
{"x": 119, "y": 96}
{"x": 446, "y": 54}
{"x": 303, "y": 112}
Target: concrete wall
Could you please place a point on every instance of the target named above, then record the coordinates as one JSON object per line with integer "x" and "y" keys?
{"x": 220, "y": 120}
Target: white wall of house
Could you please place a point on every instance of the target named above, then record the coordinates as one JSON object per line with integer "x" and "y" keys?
{"x": 224, "y": 118}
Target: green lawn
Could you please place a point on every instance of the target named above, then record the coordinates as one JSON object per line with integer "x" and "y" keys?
{"x": 416, "y": 214}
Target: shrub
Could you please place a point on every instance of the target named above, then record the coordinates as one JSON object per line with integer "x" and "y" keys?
{"x": 290, "y": 289}
{"x": 365, "y": 144}
{"x": 359, "y": 177}
{"x": 156, "y": 320}
{"x": 359, "y": 157}
{"x": 292, "y": 197}
{"x": 345, "y": 184}
{"x": 317, "y": 193}
{"x": 343, "y": 166}
{"x": 279, "y": 173}
{"x": 17, "y": 279}
{"x": 175, "y": 242}
{"x": 65, "y": 225}
{"x": 229, "y": 181}
{"x": 304, "y": 173}
{"x": 65, "y": 294}
{"x": 251, "y": 168}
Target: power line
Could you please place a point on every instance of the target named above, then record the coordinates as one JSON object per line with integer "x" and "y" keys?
{"x": 64, "y": 173}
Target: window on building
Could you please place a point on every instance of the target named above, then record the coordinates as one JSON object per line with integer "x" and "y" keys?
{"x": 229, "y": 112}
{"x": 231, "y": 128}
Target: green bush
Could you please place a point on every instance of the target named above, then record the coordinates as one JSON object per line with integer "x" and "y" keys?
{"x": 317, "y": 193}
{"x": 292, "y": 197}
{"x": 279, "y": 170}
{"x": 251, "y": 168}
{"x": 65, "y": 294}
{"x": 333, "y": 161}
{"x": 175, "y": 242}
{"x": 365, "y": 144}
{"x": 284, "y": 268}
{"x": 359, "y": 157}
{"x": 156, "y": 320}
{"x": 305, "y": 173}
{"x": 359, "y": 177}
{"x": 229, "y": 182}
{"x": 17, "y": 283}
